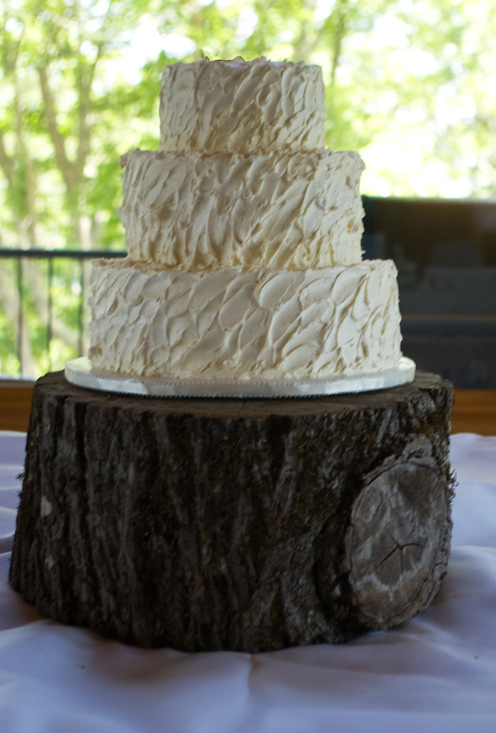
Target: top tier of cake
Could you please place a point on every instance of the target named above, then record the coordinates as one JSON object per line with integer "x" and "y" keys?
{"x": 241, "y": 106}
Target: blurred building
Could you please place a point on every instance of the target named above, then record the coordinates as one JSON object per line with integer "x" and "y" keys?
{"x": 445, "y": 251}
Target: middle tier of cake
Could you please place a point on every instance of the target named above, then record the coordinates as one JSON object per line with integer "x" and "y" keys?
{"x": 237, "y": 324}
{"x": 198, "y": 210}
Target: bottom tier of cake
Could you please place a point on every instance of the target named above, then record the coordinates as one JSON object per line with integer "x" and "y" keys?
{"x": 230, "y": 524}
{"x": 244, "y": 324}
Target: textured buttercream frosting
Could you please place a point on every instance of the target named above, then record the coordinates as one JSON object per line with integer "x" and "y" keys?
{"x": 241, "y": 106}
{"x": 244, "y": 324}
{"x": 243, "y": 237}
{"x": 207, "y": 210}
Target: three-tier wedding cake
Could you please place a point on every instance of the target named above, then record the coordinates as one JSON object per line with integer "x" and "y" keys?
{"x": 243, "y": 237}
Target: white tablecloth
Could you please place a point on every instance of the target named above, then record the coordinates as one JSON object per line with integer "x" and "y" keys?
{"x": 434, "y": 673}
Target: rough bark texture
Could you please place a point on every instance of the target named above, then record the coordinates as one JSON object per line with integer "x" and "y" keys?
{"x": 230, "y": 524}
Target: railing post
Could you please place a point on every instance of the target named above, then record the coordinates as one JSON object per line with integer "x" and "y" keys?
{"x": 81, "y": 307}
{"x": 50, "y": 312}
{"x": 21, "y": 323}
{"x": 20, "y": 315}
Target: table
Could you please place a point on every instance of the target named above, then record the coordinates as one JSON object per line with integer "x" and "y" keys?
{"x": 434, "y": 673}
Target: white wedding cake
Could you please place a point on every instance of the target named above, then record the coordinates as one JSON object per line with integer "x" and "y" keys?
{"x": 243, "y": 238}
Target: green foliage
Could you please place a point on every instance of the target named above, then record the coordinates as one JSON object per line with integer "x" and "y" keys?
{"x": 72, "y": 106}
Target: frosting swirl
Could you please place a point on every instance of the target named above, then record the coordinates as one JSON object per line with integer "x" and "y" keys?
{"x": 207, "y": 210}
{"x": 241, "y": 106}
{"x": 244, "y": 324}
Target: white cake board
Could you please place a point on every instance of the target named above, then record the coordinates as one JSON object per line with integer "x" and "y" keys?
{"x": 81, "y": 373}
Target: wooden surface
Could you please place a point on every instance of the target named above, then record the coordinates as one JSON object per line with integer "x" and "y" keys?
{"x": 247, "y": 525}
{"x": 474, "y": 410}
{"x": 15, "y": 404}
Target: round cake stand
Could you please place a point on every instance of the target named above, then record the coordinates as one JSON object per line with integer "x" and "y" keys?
{"x": 83, "y": 374}
{"x": 252, "y": 525}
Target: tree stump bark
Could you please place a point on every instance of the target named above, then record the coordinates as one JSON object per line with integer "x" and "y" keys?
{"x": 229, "y": 524}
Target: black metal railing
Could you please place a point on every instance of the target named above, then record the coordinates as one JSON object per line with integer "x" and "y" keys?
{"x": 446, "y": 257}
{"x": 17, "y": 279}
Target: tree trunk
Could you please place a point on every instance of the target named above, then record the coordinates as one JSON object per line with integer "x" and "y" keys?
{"x": 230, "y": 524}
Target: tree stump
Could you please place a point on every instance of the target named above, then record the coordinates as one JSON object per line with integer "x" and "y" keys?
{"x": 229, "y": 524}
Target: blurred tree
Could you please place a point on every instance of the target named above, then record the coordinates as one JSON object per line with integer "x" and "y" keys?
{"x": 54, "y": 115}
